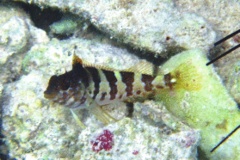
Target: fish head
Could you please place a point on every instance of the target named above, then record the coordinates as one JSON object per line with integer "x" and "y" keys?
{"x": 66, "y": 89}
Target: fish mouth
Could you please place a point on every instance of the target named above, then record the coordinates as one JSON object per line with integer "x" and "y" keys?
{"x": 49, "y": 95}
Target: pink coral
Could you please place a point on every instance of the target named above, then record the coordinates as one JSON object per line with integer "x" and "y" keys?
{"x": 103, "y": 141}
{"x": 135, "y": 152}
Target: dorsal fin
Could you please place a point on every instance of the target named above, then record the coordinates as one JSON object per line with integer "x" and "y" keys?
{"x": 142, "y": 66}
{"x": 76, "y": 60}
{"x": 145, "y": 67}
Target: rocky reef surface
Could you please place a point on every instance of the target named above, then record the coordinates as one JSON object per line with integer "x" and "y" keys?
{"x": 183, "y": 124}
{"x": 155, "y": 26}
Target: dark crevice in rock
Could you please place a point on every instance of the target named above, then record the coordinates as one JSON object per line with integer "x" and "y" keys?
{"x": 130, "y": 108}
{"x": 201, "y": 154}
{"x": 3, "y": 147}
{"x": 62, "y": 37}
{"x": 41, "y": 18}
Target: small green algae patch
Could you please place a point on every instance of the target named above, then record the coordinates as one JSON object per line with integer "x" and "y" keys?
{"x": 199, "y": 98}
{"x": 67, "y": 25}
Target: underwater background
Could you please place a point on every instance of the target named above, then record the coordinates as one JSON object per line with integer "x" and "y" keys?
{"x": 38, "y": 39}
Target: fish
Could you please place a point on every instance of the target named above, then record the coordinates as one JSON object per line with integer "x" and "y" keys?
{"x": 93, "y": 86}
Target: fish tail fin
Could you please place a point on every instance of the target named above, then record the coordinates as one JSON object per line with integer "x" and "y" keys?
{"x": 187, "y": 76}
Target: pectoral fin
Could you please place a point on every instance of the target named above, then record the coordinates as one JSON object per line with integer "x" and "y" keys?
{"x": 99, "y": 113}
{"x": 78, "y": 121}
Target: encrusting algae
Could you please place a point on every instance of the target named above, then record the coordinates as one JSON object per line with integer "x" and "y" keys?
{"x": 206, "y": 106}
{"x": 188, "y": 88}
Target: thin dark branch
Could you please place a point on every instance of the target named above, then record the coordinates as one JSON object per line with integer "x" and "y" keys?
{"x": 227, "y": 37}
{"x": 225, "y": 138}
{"x": 222, "y": 55}
{"x": 228, "y": 51}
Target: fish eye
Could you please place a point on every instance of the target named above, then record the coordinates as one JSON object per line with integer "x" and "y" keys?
{"x": 63, "y": 83}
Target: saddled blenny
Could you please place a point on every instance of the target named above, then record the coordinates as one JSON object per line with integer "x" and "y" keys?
{"x": 90, "y": 86}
